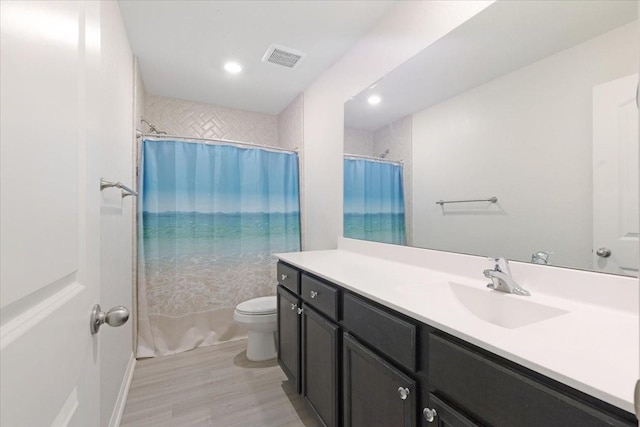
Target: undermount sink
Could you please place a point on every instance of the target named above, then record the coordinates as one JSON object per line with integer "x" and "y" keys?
{"x": 501, "y": 309}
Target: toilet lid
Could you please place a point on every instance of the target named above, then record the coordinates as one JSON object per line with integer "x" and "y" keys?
{"x": 262, "y": 305}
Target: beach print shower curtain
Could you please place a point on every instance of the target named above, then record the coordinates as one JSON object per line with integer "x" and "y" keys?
{"x": 210, "y": 218}
{"x": 373, "y": 201}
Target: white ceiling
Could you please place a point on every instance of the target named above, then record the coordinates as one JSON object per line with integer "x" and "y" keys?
{"x": 502, "y": 38}
{"x": 182, "y": 45}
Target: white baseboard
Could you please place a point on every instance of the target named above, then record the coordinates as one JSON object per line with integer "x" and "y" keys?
{"x": 118, "y": 409}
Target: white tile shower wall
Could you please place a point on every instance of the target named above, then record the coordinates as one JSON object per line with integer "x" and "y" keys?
{"x": 358, "y": 141}
{"x": 396, "y": 137}
{"x": 193, "y": 119}
{"x": 291, "y": 137}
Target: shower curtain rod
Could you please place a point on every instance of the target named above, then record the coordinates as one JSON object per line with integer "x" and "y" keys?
{"x": 140, "y": 134}
{"x": 376, "y": 159}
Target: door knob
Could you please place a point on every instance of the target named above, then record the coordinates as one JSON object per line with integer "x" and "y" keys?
{"x": 603, "y": 252}
{"x": 117, "y": 316}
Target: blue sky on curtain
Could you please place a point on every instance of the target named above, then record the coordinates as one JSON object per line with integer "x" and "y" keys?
{"x": 211, "y": 217}
{"x": 374, "y": 201}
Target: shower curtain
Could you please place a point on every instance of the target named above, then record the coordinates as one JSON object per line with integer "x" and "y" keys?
{"x": 373, "y": 201}
{"x": 210, "y": 219}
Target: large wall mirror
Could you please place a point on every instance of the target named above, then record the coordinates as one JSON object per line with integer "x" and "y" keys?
{"x": 524, "y": 122}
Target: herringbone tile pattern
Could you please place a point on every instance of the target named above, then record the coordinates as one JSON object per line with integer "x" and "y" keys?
{"x": 186, "y": 118}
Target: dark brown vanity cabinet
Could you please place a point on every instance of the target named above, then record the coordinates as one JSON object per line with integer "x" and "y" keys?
{"x": 320, "y": 360}
{"x": 289, "y": 311}
{"x": 375, "y": 392}
{"x": 309, "y": 341}
{"x": 496, "y": 392}
{"x": 360, "y": 364}
{"x": 320, "y": 349}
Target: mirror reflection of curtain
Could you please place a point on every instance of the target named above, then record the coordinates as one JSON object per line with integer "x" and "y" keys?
{"x": 211, "y": 216}
{"x": 374, "y": 201}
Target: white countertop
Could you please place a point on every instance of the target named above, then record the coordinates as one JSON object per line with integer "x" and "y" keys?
{"x": 593, "y": 348}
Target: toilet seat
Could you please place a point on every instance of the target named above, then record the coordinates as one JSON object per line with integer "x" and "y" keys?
{"x": 258, "y": 306}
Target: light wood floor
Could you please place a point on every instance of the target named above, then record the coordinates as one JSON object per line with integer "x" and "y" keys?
{"x": 213, "y": 386}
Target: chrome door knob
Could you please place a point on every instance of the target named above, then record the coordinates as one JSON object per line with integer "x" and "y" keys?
{"x": 429, "y": 414}
{"x": 403, "y": 392}
{"x": 283, "y": 277}
{"x": 314, "y": 294}
{"x": 299, "y": 311}
{"x": 603, "y": 252}
{"x": 117, "y": 316}
{"x": 293, "y": 306}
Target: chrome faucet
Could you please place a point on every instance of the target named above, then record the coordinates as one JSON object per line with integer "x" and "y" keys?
{"x": 501, "y": 279}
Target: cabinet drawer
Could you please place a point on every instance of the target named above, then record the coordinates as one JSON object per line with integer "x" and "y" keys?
{"x": 289, "y": 277}
{"x": 320, "y": 296}
{"x": 386, "y": 332}
{"x": 498, "y": 395}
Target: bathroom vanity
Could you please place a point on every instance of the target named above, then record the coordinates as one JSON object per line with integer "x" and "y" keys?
{"x": 381, "y": 335}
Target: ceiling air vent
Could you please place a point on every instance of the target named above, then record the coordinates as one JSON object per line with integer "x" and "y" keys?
{"x": 284, "y": 56}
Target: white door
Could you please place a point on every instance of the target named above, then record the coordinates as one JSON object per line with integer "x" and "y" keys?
{"x": 49, "y": 214}
{"x": 615, "y": 177}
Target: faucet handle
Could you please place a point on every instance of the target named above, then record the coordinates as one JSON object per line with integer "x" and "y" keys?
{"x": 500, "y": 264}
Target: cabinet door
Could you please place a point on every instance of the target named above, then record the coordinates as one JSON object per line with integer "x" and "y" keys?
{"x": 375, "y": 393}
{"x": 289, "y": 336}
{"x": 320, "y": 383}
{"x": 439, "y": 413}
{"x": 498, "y": 395}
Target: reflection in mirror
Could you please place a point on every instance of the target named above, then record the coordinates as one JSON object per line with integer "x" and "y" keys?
{"x": 373, "y": 199}
{"x": 533, "y": 103}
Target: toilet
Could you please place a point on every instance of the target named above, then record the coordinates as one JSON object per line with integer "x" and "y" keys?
{"x": 259, "y": 316}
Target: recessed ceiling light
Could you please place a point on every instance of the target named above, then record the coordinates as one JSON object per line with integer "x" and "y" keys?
{"x": 374, "y": 99}
{"x": 232, "y": 67}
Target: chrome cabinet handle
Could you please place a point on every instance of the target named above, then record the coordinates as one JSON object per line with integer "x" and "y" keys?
{"x": 603, "y": 252}
{"x": 299, "y": 311}
{"x": 403, "y": 392}
{"x": 429, "y": 414}
{"x": 117, "y": 316}
{"x": 283, "y": 277}
{"x": 293, "y": 306}
{"x": 314, "y": 294}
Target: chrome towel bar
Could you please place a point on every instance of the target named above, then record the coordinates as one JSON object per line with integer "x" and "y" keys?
{"x": 490, "y": 199}
{"x": 126, "y": 191}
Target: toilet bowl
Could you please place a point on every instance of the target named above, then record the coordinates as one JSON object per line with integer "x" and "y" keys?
{"x": 259, "y": 316}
